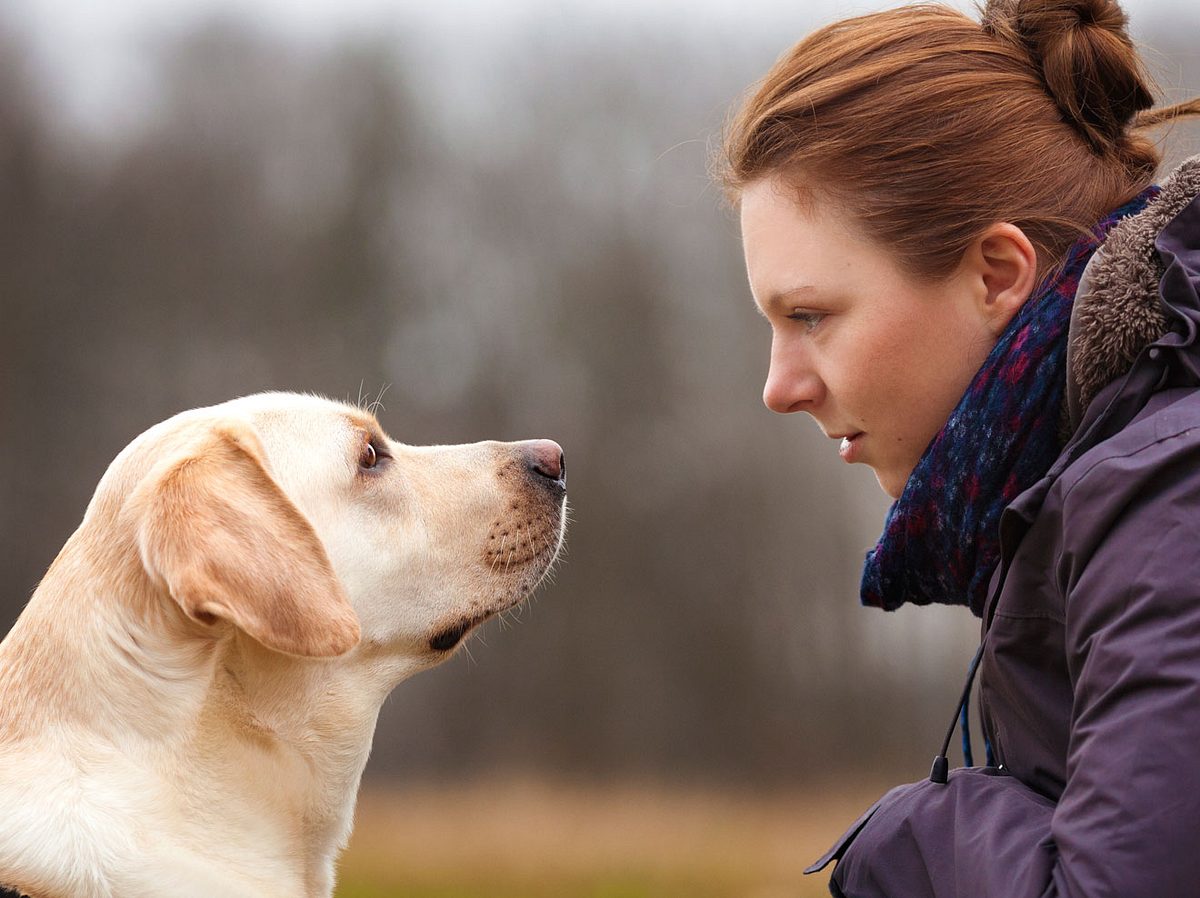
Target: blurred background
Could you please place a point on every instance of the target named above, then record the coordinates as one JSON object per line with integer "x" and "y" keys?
{"x": 499, "y": 216}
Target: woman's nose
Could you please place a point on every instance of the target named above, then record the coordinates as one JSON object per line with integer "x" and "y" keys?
{"x": 792, "y": 385}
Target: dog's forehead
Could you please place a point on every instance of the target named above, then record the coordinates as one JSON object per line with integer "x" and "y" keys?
{"x": 301, "y": 416}
{"x": 290, "y": 426}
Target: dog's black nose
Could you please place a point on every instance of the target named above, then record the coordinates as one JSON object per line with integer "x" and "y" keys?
{"x": 545, "y": 459}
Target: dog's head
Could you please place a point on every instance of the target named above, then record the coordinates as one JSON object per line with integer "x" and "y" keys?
{"x": 212, "y": 645}
{"x": 298, "y": 522}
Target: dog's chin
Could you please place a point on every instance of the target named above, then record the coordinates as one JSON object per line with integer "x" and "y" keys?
{"x": 520, "y": 580}
{"x": 454, "y": 633}
{"x": 450, "y": 636}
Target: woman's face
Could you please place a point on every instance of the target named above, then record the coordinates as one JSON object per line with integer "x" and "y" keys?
{"x": 877, "y": 357}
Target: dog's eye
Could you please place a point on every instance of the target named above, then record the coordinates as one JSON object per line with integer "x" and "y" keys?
{"x": 369, "y": 457}
{"x": 374, "y": 452}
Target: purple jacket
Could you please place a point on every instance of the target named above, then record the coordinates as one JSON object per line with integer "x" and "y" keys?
{"x": 1090, "y": 680}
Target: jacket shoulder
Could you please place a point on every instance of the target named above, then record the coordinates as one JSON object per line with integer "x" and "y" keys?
{"x": 1160, "y": 447}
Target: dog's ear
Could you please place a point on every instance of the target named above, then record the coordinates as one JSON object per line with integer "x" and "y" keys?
{"x": 229, "y": 545}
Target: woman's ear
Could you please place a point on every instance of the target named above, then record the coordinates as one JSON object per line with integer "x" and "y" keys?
{"x": 1003, "y": 263}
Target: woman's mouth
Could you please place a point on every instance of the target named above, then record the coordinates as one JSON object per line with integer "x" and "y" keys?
{"x": 848, "y": 450}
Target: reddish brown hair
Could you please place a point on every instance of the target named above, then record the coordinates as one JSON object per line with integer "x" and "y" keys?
{"x": 927, "y": 126}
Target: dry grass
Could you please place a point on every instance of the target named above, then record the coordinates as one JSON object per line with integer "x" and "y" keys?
{"x": 534, "y": 840}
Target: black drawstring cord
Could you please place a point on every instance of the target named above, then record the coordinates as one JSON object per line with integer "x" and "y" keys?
{"x": 964, "y": 726}
{"x": 941, "y": 767}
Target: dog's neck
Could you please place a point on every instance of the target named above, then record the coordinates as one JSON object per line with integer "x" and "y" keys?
{"x": 308, "y": 725}
{"x": 144, "y": 702}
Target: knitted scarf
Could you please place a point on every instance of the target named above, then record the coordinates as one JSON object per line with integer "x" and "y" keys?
{"x": 941, "y": 539}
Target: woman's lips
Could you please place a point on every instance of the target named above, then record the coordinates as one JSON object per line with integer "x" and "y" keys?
{"x": 848, "y": 450}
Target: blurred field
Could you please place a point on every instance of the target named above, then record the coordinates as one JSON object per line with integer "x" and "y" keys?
{"x": 537, "y": 840}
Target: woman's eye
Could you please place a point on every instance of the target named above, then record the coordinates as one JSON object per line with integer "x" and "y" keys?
{"x": 809, "y": 319}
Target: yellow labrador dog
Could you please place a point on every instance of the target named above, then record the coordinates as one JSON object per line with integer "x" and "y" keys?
{"x": 187, "y": 702}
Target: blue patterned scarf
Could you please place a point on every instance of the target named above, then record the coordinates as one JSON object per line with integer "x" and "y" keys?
{"x": 941, "y": 539}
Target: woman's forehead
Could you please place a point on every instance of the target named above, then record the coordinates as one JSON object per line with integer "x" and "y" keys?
{"x": 798, "y": 250}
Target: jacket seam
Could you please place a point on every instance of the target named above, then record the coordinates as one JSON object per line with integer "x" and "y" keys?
{"x": 1034, "y": 615}
{"x": 1118, "y": 455}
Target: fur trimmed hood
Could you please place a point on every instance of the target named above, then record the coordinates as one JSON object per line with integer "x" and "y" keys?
{"x": 1119, "y": 308}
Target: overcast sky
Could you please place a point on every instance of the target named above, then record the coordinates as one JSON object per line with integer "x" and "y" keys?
{"x": 90, "y": 49}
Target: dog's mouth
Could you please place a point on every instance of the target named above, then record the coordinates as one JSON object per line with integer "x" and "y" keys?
{"x": 446, "y": 639}
{"x": 523, "y": 553}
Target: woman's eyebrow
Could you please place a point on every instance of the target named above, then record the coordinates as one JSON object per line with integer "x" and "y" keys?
{"x": 780, "y": 297}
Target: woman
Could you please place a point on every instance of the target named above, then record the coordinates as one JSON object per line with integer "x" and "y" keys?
{"x": 974, "y": 286}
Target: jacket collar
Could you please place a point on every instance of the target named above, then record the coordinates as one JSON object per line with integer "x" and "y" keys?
{"x": 1132, "y": 330}
{"x": 1119, "y": 309}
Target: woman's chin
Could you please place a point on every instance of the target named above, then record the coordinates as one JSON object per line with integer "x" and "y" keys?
{"x": 891, "y": 482}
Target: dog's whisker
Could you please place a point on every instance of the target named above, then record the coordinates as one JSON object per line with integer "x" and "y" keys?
{"x": 499, "y": 553}
{"x": 377, "y": 402}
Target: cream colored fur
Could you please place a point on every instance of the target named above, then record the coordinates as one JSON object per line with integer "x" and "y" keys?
{"x": 188, "y": 700}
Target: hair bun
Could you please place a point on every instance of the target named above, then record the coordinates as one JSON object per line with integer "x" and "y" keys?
{"x": 1086, "y": 59}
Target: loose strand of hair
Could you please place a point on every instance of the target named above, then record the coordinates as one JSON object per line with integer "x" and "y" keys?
{"x": 1152, "y": 118}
